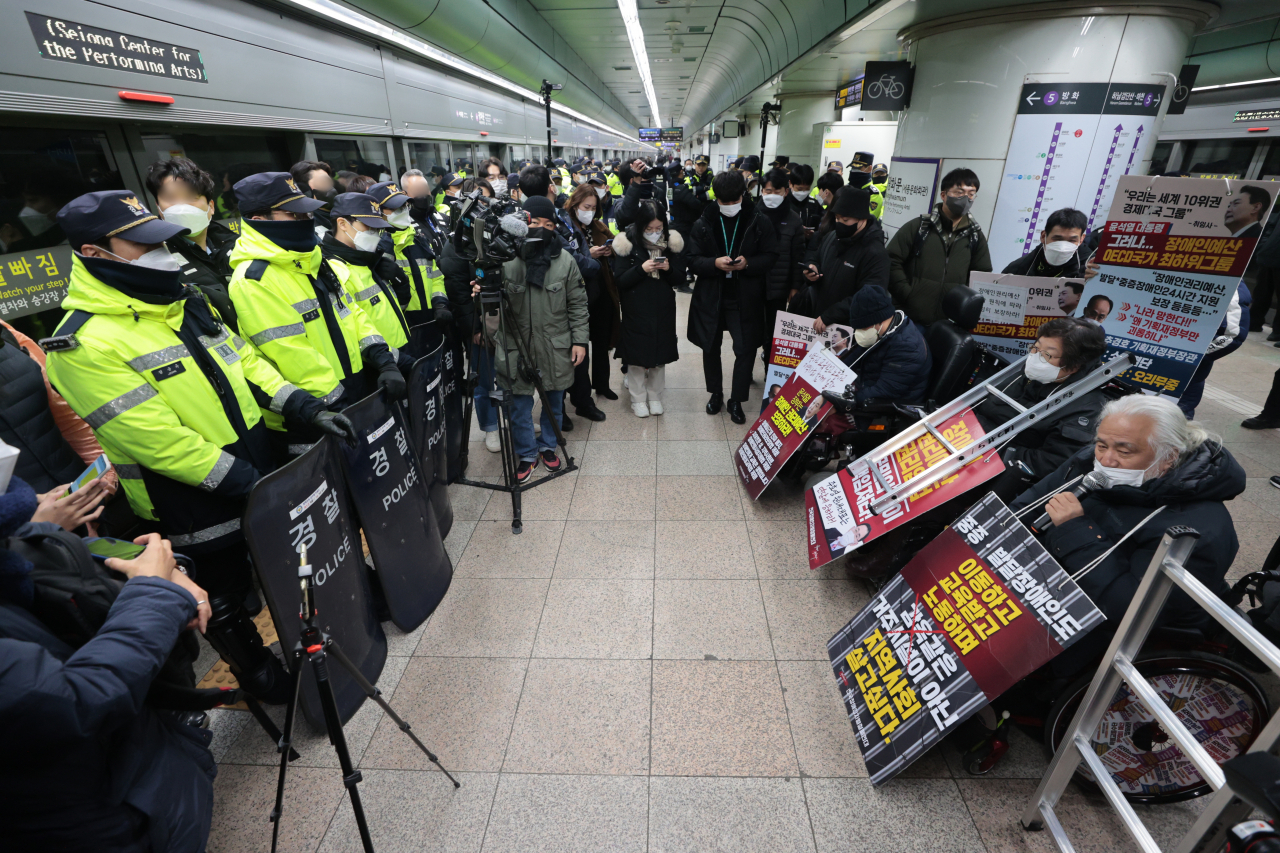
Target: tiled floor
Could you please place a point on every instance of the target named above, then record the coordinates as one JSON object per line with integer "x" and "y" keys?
{"x": 644, "y": 669}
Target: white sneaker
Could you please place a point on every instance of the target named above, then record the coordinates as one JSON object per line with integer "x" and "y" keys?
{"x": 492, "y": 442}
{"x": 655, "y": 407}
{"x": 537, "y": 427}
{"x": 641, "y": 409}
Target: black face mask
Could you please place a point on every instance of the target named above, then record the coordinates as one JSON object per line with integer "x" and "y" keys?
{"x": 859, "y": 179}
{"x": 958, "y": 207}
{"x": 326, "y": 196}
{"x": 292, "y": 235}
{"x": 153, "y": 286}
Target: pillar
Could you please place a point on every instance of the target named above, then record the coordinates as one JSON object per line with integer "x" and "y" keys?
{"x": 794, "y": 132}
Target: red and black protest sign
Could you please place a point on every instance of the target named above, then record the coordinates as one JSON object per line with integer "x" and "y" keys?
{"x": 975, "y": 611}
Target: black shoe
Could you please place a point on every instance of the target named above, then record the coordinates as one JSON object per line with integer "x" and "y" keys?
{"x": 606, "y": 393}
{"x": 735, "y": 412}
{"x": 590, "y": 411}
{"x": 684, "y": 288}
{"x": 524, "y": 470}
{"x": 1274, "y": 336}
{"x": 566, "y": 425}
{"x": 714, "y": 404}
{"x": 1275, "y": 480}
{"x": 1262, "y": 422}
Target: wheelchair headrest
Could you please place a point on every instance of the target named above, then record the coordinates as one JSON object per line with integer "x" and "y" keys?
{"x": 963, "y": 306}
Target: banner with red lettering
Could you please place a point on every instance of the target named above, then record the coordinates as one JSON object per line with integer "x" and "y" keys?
{"x": 1171, "y": 255}
{"x": 975, "y": 611}
{"x": 1016, "y": 306}
{"x": 789, "y": 418}
{"x": 838, "y": 509}
{"x": 793, "y": 336}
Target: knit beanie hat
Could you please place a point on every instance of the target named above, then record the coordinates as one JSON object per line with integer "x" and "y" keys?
{"x": 869, "y": 306}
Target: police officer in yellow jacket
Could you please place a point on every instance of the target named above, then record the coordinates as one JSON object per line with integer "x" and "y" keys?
{"x": 177, "y": 401}
{"x": 860, "y": 176}
{"x": 413, "y": 253}
{"x": 293, "y": 308}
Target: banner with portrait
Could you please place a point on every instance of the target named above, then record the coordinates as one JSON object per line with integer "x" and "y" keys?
{"x": 1016, "y": 306}
{"x": 793, "y": 337}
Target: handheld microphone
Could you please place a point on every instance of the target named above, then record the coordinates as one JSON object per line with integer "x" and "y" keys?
{"x": 1092, "y": 482}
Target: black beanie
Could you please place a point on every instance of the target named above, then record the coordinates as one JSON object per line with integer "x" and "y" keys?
{"x": 869, "y": 306}
{"x": 853, "y": 202}
{"x": 540, "y": 206}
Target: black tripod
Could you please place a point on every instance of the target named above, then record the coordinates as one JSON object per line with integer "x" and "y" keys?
{"x": 493, "y": 298}
{"x": 313, "y": 645}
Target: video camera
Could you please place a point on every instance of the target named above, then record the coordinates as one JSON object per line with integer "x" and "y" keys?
{"x": 490, "y": 232}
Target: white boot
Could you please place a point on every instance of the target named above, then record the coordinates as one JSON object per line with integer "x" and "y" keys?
{"x": 634, "y": 383}
{"x": 655, "y": 383}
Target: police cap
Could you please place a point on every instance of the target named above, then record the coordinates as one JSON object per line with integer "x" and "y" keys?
{"x": 597, "y": 177}
{"x": 879, "y": 169}
{"x": 454, "y": 179}
{"x": 360, "y": 207}
{"x": 387, "y": 194}
{"x": 113, "y": 213}
{"x": 273, "y": 191}
{"x": 862, "y": 159}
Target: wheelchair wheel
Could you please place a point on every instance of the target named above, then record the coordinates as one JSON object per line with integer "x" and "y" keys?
{"x": 1216, "y": 699}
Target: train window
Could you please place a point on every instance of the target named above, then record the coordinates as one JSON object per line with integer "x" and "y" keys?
{"x": 1160, "y": 158}
{"x": 424, "y": 155}
{"x": 229, "y": 157}
{"x": 362, "y": 156}
{"x": 1271, "y": 164}
{"x": 40, "y": 171}
{"x": 1220, "y": 157}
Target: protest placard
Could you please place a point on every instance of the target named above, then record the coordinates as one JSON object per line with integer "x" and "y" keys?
{"x": 1171, "y": 255}
{"x": 789, "y": 418}
{"x": 838, "y": 510}
{"x": 975, "y": 611}
{"x": 1016, "y": 306}
{"x": 793, "y": 336}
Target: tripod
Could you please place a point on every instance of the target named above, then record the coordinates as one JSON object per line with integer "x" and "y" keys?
{"x": 314, "y": 645}
{"x": 494, "y": 299}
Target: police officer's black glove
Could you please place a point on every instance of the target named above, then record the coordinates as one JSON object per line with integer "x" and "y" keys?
{"x": 337, "y": 424}
{"x": 390, "y": 380}
{"x": 443, "y": 314}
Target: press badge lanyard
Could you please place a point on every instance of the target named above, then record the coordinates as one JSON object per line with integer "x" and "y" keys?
{"x": 728, "y": 244}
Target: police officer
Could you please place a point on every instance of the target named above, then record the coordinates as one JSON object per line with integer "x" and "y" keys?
{"x": 860, "y": 176}
{"x": 293, "y": 308}
{"x": 176, "y": 399}
{"x": 880, "y": 177}
{"x": 616, "y": 189}
{"x": 411, "y": 246}
{"x": 447, "y": 205}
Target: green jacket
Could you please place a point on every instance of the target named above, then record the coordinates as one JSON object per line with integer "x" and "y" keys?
{"x": 928, "y": 257}
{"x": 280, "y": 312}
{"x": 558, "y": 313}
{"x": 615, "y": 184}
{"x": 378, "y": 301}
{"x": 186, "y": 450}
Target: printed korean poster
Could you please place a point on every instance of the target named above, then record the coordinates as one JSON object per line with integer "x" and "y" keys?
{"x": 912, "y": 189}
{"x": 1171, "y": 255}
{"x": 789, "y": 418}
{"x": 975, "y": 611}
{"x": 1017, "y": 306}
{"x": 793, "y": 337}
{"x": 838, "y": 509}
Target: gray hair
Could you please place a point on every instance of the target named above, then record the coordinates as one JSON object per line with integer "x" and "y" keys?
{"x": 1173, "y": 437}
{"x": 411, "y": 173}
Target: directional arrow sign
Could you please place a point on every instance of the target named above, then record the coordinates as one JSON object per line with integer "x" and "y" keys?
{"x": 1106, "y": 171}
{"x": 1031, "y": 99}
{"x": 1137, "y": 140}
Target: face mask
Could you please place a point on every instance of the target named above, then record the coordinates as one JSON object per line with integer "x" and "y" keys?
{"x": 400, "y": 219}
{"x": 653, "y": 236}
{"x": 326, "y": 196}
{"x": 187, "y": 216}
{"x": 608, "y": 168}
{"x": 383, "y": 177}
{"x": 825, "y": 196}
{"x": 1122, "y": 476}
{"x": 292, "y": 235}
{"x": 958, "y": 207}
{"x": 844, "y": 232}
{"x": 35, "y": 221}
{"x": 1059, "y": 252}
{"x": 601, "y": 192}
{"x": 859, "y": 179}
{"x": 772, "y": 200}
{"x": 500, "y": 188}
{"x": 1038, "y": 369}
{"x": 159, "y": 259}
{"x": 866, "y": 337}
{"x": 367, "y": 240}
{"x": 586, "y": 217}
{"x": 798, "y": 195}
{"x": 730, "y": 210}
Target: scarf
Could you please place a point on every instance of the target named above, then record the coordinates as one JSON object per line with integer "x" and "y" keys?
{"x": 538, "y": 255}
{"x": 155, "y": 287}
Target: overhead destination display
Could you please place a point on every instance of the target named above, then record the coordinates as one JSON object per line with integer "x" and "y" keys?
{"x": 94, "y": 47}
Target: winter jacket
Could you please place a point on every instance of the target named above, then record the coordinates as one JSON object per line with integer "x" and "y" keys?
{"x": 602, "y": 294}
{"x": 785, "y": 277}
{"x": 573, "y": 241}
{"x": 628, "y": 207}
{"x": 26, "y": 423}
{"x": 895, "y": 368}
{"x": 550, "y": 321}
{"x": 210, "y": 271}
{"x": 414, "y": 255}
{"x": 367, "y": 287}
{"x": 846, "y": 266}
{"x": 84, "y": 764}
{"x": 1034, "y": 263}
{"x": 754, "y": 240}
{"x": 1048, "y": 442}
{"x": 928, "y": 257}
{"x": 1193, "y": 494}
{"x": 690, "y": 197}
{"x": 648, "y": 336}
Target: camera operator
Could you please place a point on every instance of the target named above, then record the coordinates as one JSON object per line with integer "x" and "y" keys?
{"x": 547, "y": 309}
{"x": 638, "y": 177}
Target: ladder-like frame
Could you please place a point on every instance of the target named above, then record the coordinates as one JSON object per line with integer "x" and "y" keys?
{"x": 957, "y": 458}
{"x": 1225, "y": 809}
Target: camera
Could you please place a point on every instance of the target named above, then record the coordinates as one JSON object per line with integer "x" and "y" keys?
{"x": 490, "y": 232}
{"x": 1255, "y": 778}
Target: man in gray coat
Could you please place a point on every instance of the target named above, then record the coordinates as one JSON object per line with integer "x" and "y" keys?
{"x": 547, "y": 309}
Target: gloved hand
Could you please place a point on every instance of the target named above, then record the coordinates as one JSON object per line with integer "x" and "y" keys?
{"x": 390, "y": 380}
{"x": 442, "y": 312}
{"x": 336, "y": 423}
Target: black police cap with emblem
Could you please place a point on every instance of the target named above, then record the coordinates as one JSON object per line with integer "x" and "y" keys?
{"x": 389, "y": 195}
{"x": 597, "y": 178}
{"x": 360, "y": 207}
{"x": 113, "y": 213}
{"x": 273, "y": 191}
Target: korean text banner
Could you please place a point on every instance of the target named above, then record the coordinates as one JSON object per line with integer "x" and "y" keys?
{"x": 974, "y": 612}
{"x": 1016, "y": 306}
{"x": 838, "y": 509}
{"x": 788, "y": 419}
{"x": 793, "y": 336}
{"x": 1171, "y": 255}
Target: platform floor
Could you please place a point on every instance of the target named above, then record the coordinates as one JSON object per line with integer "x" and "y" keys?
{"x": 644, "y": 669}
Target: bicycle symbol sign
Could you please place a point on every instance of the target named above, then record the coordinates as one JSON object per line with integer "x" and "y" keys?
{"x": 886, "y": 86}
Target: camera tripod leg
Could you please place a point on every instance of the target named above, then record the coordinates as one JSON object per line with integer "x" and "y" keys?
{"x": 285, "y": 744}
{"x": 376, "y": 695}
{"x": 351, "y": 777}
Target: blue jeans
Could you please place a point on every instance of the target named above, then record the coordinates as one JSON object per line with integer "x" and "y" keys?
{"x": 486, "y": 417}
{"x": 522, "y": 424}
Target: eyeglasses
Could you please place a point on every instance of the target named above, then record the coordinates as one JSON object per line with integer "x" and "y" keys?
{"x": 1035, "y": 348}
{"x": 959, "y": 192}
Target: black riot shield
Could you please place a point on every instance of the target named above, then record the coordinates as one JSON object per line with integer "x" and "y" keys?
{"x": 452, "y": 370}
{"x": 305, "y": 503}
{"x": 427, "y": 426}
{"x": 391, "y": 499}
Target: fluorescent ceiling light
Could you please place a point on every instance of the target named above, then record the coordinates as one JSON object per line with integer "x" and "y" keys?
{"x": 356, "y": 21}
{"x": 1233, "y": 85}
{"x": 631, "y": 18}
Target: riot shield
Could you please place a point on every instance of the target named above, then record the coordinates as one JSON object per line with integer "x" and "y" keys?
{"x": 390, "y": 495}
{"x": 452, "y": 371}
{"x": 426, "y": 425}
{"x": 305, "y": 503}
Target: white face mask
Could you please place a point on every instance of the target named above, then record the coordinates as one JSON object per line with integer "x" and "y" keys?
{"x": 653, "y": 236}
{"x": 401, "y": 219}
{"x": 367, "y": 240}
{"x": 601, "y": 192}
{"x": 731, "y": 210}
{"x": 35, "y": 221}
{"x": 156, "y": 259}
{"x": 866, "y": 337}
{"x": 1122, "y": 476}
{"x": 382, "y": 177}
{"x": 772, "y": 200}
{"x": 1038, "y": 369}
{"x": 798, "y": 195}
{"x": 320, "y": 232}
{"x": 825, "y": 197}
{"x": 586, "y": 217}
{"x": 187, "y": 216}
{"x": 1059, "y": 252}
{"x": 500, "y": 188}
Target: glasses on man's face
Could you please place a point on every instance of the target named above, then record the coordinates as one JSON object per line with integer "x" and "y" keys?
{"x": 958, "y": 192}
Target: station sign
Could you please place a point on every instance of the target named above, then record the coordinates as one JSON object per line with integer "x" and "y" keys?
{"x": 1257, "y": 115}
{"x": 94, "y": 47}
{"x": 662, "y": 134}
{"x": 851, "y": 94}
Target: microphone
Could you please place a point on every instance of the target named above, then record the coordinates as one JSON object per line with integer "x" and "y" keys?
{"x": 1093, "y": 481}
{"x": 514, "y": 225}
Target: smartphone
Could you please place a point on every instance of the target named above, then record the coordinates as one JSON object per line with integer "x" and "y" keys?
{"x": 802, "y": 264}
{"x": 97, "y": 469}
{"x": 659, "y": 260}
{"x": 103, "y": 547}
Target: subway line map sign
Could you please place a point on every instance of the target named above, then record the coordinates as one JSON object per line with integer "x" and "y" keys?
{"x": 975, "y": 611}
{"x": 1171, "y": 255}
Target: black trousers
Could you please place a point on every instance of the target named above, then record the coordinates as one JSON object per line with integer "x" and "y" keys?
{"x": 1272, "y": 408}
{"x": 744, "y": 354}
{"x": 1264, "y": 293}
{"x": 594, "y": 370}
